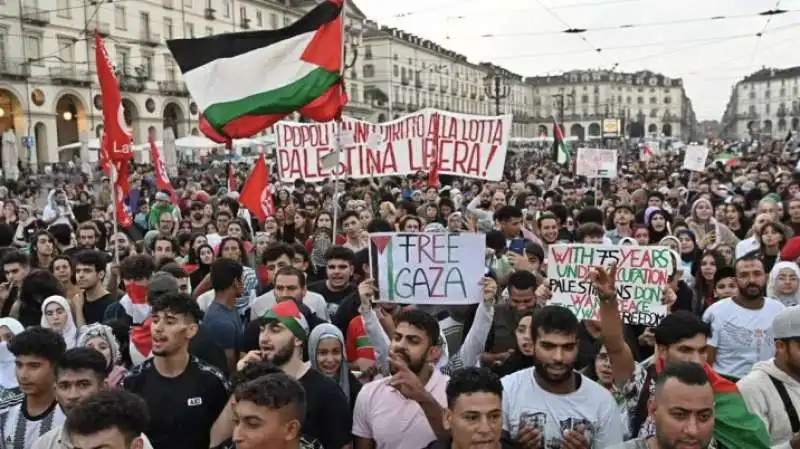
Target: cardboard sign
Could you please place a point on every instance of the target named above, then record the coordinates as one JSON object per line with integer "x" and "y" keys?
{"x": 428, "y": 268}
{"x": 642, "y": 272}
{"x": 694, "y": 158}
{"x": 472, "y": 146}
{"x": 596, "y": 163}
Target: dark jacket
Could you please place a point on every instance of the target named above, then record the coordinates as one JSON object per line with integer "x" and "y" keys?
{"x": 506, "y": 442}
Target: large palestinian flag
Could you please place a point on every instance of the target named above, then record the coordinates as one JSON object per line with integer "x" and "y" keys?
{"x": 245, "y": 82}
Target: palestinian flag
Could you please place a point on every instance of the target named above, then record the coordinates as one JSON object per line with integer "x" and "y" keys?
{"x": 289, "y": 315}
{"x": 561, "y": 148}
{"x": 245, "y": 82}
{"x": 727, "y": 159}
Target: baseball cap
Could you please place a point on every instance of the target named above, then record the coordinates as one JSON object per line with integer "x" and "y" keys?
{"x": 786, "y": 325}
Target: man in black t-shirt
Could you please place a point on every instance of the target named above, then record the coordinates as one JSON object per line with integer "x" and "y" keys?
{"x": 184, "y": 395}
{"x": 283, "y": 335}
{"x": 90, "y": 270}
{"x": 338, "y": 285}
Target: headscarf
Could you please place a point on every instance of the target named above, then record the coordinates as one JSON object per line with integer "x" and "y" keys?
{"x": 656, "y": 236}
{"x": 69, "y": 332}
{"x": 772, "y": 284}
{"x": 324, "y": 331}
{"x": 95, "y": 330}
{"x": 8, "y": 375}
{"x": 703, "y": 227}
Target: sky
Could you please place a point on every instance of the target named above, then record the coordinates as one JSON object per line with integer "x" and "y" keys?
{"x": 673, "y": 37}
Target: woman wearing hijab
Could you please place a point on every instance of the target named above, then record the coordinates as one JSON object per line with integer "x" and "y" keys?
{"x": 101, "y": 338}
{"x": 690, "y": 254}
{"x": 57, "y": 316}
{"x": 784, "y": 283}
{"x": 522, "y": 357}
{"x": 707, "y": 229}
{"x": 9, "y": 327}
{"x": 658, "y": 221}
{"x": 326, "y": 351}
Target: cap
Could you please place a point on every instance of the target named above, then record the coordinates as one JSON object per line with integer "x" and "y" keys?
{"x": 289, "y": 315}
{"x": 162, "y": 283}
{"x": 787, "y": 324}
{"x": 162, "y": 196}
{"x": 791, "y": 251}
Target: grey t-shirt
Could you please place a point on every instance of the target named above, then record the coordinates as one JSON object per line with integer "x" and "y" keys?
{"x": 639, "y": 443}
{"x": 223, "y": 325}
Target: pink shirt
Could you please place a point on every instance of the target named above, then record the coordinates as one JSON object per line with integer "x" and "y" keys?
{"x": 384, "y": 415}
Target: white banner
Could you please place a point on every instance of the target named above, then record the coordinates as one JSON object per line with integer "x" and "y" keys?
{"x": 694, "y": 158}
{"x": 596, "y": 163}
{"x": 472, "y": 146}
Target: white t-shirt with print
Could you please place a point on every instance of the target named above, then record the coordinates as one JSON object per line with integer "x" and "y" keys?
{"x": 741, "y": 336}
{"x": 591, "y": 407}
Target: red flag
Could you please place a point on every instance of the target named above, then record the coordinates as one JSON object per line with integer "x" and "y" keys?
{"x": 256, "y": 195}
{"x": 232, "y": 187}
{"x": 116, "y": 141}
{"x": 162, "y": 178}
{"x": 119, "y": 174}
{"x": 433, "y": 174}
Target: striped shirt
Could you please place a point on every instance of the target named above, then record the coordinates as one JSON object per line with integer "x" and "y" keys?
{"x": 18, "y": 430}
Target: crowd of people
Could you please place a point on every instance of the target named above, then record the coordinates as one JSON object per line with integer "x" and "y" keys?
{"x": 200, "y": 327}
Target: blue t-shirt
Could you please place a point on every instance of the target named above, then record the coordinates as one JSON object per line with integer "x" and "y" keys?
{"x": 224, "y": 326}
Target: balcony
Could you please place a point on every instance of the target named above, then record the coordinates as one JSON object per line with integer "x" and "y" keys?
{"x": 782, "y": 112}
{"x": 522, "y": 118}
{"x": 432, "y": 87}
{"x": 35, "y": 16}
{"x": 14, "y": 69}
{"x": 71, "y": 74}
{"x": 103, "y": 28}
{"x": 149, "y": 38}
{"x": 245, "y": 24}
{"x": 399, "y": 106}
{"x": 132, "y": 83}
{"x": 210, "y": 13}
{"x": 443, "y": 88}
{"x": 405, "y": 81}
{"x": 473, "y": 95}
{"x": 168, "y": 4}
{"x": 173, "y": 88}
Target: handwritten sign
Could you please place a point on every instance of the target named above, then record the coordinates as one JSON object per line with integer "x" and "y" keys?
{"x": 472, "y": 146}
{"x": 642, "y": 273}
{"x": 694, "y": 158}
{"x": 596, "y": 163}
{"x": 428, "y": 268}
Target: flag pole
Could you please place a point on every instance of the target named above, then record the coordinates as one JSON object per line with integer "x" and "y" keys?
{"x": 114, "y": 209}
{"x": 335, "y": 201}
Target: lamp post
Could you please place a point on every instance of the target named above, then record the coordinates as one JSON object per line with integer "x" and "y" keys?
{"x": 496, "y": 89}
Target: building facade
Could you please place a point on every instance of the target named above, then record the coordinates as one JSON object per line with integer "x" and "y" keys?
{"x": 764, "y": 104}
{"x": 48, "y": 81}
{"x": 648, "y": 104}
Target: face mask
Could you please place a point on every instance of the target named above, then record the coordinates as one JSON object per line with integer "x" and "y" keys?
{"x": 137, "y": 293}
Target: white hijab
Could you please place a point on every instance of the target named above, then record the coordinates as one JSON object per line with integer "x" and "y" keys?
{"x": 8, "y": 375}
{"x": 70, "y": 332}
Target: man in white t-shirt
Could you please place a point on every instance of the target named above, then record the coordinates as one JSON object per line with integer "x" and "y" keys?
{"x": 741, "y": 327}
{"x": 551, "y": 404}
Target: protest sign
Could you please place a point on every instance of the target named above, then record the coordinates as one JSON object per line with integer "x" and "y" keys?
{"x": 694, "y": 158}
{"x": 428, "y": 268}
{"x": 596, "y": 163}
{"x": 472, "y": 146}
{"x": 642, "y": 272}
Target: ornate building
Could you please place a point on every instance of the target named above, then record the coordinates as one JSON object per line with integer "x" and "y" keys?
{"x": 765, "y": 103}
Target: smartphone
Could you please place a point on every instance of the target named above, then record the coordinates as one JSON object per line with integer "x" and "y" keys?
{"x": 517, "y": 245}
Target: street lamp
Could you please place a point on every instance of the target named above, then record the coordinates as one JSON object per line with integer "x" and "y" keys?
{"x": 496, "y": 89}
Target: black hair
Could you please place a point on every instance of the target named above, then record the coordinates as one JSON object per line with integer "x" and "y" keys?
{"x": 16, "y": 256}
{"x": 586, "y": 230}
{"x": 61, "y": 233}
{"x": 687, "y": 373}
{"x": 111, "y": 408}
{"x": 545, "y": 216}
{"x": 275, "y": 251}
{"x": 232, "y": 204}
{"x": 290, "y": 271}
{"x": 723, "y": 272}
{"x": 678, "y": 326}
{"x": 590, "y": 214}
{"x": 275, "y": 391}
{"x": 138, "y": 267}
{"x": 749, "y": 257}
{"x": 163, "y": 238}
{"x": 179, "y": 304}
{"x": 522, "y": 280}
{"x": 253, "y": 371}
{"x": 174, "y": 269}
{"x": 472, "y": 380}
{"x": 560, "y": 211}
{"x": 92, "y": 258}
{"x": 224, "y": 273}
{"x": 554, "y": 319}
{"x": 496, "y": 240}
{"x": 39, "y": 342}
{"x": 534, "y": 249}
{"x": 379, "y": 225}
{"x": 337, "y": 252}
{"x": 348, "y": 214}
{"x": 6, "y": 234}
{"x": 39, "y": 285}
{"x": 421, "y": 320}
{"x": 83, "y": 358}
{"x": 506, "y": 213}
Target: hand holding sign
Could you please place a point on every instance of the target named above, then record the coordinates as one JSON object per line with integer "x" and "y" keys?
{"x": 604, "y": 282}
{"x": 669, "y": 297}
{"x": 367, "y": 292}
{"x": 489, "y": 290}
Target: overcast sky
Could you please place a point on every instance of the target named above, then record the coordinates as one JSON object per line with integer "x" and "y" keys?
{"x": 522, "y": 36}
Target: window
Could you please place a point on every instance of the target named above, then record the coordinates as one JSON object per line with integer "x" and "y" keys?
{"x": 766, "y": 94}
{"x": 123, "y": 60}
{"x": 33, "y": 47}
{"x": 3, "y": 41}
{"x": 259, "y": 19}
{"x": 653, "y": 100}
{"x": 752, "y": 110}
{"x": 189, "y": 29}
{"x": 66, "y": 49}
{"x": 63, "y": 9}
{"x": 368, "y": 53}
{"x": 584, "y": 98}
{"x": 355, "y": 93}
{"x": 287, "y": 21}
{"x": 273, "y": 21}
{"x": 169, "y": 68}
{"x": 187, "y": 3}
{"x": 168, "y": 32}
{"x": 147, "y": 65}
{"x": 226, "y": 8}
{"x": 209, "y": 31}
{"x": 396, "y": 71}
{"x": 667, "y": 100}
{"x": 369, "y": 70}
{"x": 639, "y": 100}
{"x": 243, "y": 13}
{"x": 120, "y": 21}
{"x": 144, "y": 23}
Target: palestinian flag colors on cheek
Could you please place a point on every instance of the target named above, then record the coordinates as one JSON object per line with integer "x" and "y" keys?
{"x": 245, "y": 82}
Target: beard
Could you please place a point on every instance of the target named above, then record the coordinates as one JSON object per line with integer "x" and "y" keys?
{"x": 415, "y": 366}
{"x": 282, "y": 355}
{"x": 749, "y": 291}
{"x": 665, "y": 443}
{"x": 541, "y": 371}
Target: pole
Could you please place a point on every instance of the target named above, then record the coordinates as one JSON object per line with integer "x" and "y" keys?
{"x": 114, "y": 208}
{"x": 497, "y": 95}
{"x": 389, "y": 76}
{"x": 336, "y": 182}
